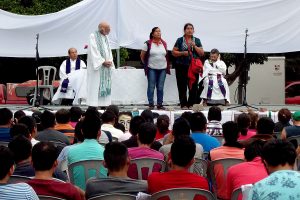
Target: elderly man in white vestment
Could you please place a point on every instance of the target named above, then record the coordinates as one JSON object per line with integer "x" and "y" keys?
{"x": 70, "y": 73}
{"x": 214, "y": 83}
{"x": 99, "y": 67}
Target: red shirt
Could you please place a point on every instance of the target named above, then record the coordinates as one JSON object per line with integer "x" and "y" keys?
{"x": 245, "y": 173}
{"x": 159, "y": 135}
{"x": 176, "y": 179}
{"x": 55, "y": 188}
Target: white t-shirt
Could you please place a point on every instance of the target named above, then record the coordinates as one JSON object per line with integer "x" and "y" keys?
{"x": 157, "y": 57}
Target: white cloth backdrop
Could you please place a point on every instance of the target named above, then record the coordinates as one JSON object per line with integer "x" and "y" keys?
{"x": 273, "y": 25}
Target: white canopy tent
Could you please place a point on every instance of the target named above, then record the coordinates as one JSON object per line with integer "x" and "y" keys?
{"x": 273, "y": 25}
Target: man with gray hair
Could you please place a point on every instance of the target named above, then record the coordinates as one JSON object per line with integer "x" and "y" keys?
{"x": 214, "y": 83}
{"x": 100, "y": 65}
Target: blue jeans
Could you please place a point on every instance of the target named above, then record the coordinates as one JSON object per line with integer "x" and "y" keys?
{"x": 156, "y": 77}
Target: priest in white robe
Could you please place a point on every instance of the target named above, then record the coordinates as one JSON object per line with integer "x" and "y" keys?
{"x": 214, "y": 83}
{"x": 99, "y": 68}
{"x": 69, "y": 69}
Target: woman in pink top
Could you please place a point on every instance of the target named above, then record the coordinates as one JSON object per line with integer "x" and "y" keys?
{"x": 243, "y": 121}
{"x": 248, "y": 172}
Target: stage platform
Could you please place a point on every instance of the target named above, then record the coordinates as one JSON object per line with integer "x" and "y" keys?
{"x": 173, "y": 111}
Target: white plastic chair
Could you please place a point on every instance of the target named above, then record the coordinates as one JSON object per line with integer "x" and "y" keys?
{"x": 2, "y": 143}
{"x": 236, "y": 193}
{"x": 45, "y": 197}
{"x": 182, "y": 194}
{"x": 199, "y": 167}
{"x": 147, "y": 163}
{"x": 47, "y": 80}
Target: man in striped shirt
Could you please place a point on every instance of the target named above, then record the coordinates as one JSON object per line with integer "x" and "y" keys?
{"x": 20, "y": 191}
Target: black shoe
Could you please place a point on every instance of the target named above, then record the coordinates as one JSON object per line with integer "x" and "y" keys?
{"x": 151, "y": 107}
{"x": 160, "y": 107}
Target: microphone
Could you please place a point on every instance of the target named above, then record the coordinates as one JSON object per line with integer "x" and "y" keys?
{"x": 37, "y": 36}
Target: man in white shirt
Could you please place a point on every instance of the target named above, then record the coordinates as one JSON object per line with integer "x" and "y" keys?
{"x": 214, "y": 83}
{"x": 69, "y": 72}
{"x": 100, "y": 65}
{"x": 108, "y": 131}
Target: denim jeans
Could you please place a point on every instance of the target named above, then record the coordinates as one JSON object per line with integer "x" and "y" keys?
{"x": 156, "y": 77}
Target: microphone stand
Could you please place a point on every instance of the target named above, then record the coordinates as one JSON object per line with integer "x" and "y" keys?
{"x": 244, "y": 80}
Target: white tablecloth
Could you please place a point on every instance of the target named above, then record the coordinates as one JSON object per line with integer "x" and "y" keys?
{"x": 129, "y": 86}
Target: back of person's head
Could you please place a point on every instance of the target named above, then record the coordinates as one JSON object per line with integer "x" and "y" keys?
{"x": 75, "y": 113}
{"x": 44, "y": 155}
{"x": 230, "y": 132}
{"x": 146, "y": 133}
{"x": 114, "y": 109}
{"x": 78, "y": 136}
{"x": 120, "y": 126}
{"x": 284, "y": 115}
{"x": 279, "y": 153}
{"x": 198, "y": 122}
{"x": 214, "y": 113}
{"x": 181, "y": 127}
{"x": 90, "y": 126}
{"x": 63, "y": 116}
{"x": 19, "y": 129}
{"x": 92, "y": 111}
{"x": 135, "y": 123}
{"x": 148, "y": 115}
{"x": 47, "y": 119}
{"x": 243, "y": 121}
{"x": 115, "y": 156}
{"x": 6, "y": 116}
{"x": 21, "y": 148}
{"x": 18, "y": 114}
{"x": 163, "y": 122}
{"x": 253, "y": 119}
{"x": 6, "y": 160}
{"x": 254, "y": 149}
{"x": 29, "y": 122}
{"x": 187, "y": 115}
{"x": 183, "y": 151}
{"x": 108, "y": 117}
{"x": 37, "y": 116}
{"x": 265, "y": 125}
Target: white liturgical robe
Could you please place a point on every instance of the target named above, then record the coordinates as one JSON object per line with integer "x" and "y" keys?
{"x": 71, "y": 90}
{"x": 212, "y": 72}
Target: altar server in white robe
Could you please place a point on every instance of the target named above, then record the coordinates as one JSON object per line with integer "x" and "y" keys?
{"x": 99, "y": 67}
{"x": 214, "y": 83}
{"x": 69, "y": 68}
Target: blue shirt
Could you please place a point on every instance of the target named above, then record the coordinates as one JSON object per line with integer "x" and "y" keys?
{"x": 90, "y": 149}
{"x": 283, "y": 184}
{"x": 4, "y": 135}
{"x": 18, "y": 191}
{"x": 208, "y": 142}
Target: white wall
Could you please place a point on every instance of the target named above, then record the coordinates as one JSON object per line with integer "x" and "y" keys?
{"x": 266, "y": 84}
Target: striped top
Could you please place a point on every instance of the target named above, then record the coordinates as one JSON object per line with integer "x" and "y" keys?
{"x": 18, "y": 191}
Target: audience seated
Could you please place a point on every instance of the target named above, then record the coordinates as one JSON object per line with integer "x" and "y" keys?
{"x": 248, "y": 172}
{"x": 282, "y": 183}
{"x": 44, "y": 155}
{"x": 32, "y": 128}
{"x": 198, "y": 126}
{"x": 21, "y": 147}
{"x": 18, "y": 115}
{"x": 89, "y": 149}
{"x": 284, "y": 117}
{"x": 124, "y": 120}
{"x": 37, "y": 116}
{"x": 243, "y": 122}
{"x": 181, "y": 127}
{"x": 19, "y": 129}
{"x": 6, "y": 120}
{"x": 63, "y": 125}
{"x": 117, "y": 161}
{"x": 182, "y": 156}
{"x": 148, "y": 115}
{"x": 108, "y": 131}
{"x": 145, "y": 137}
{"x": 253, "y": 120}
{"x": 76, "y": 114}
{"x": 231, "y": 149}
{"x": 162, "y": 124}
{"x": 19, "y": 191}
{"x": 292, "y": 130}
{"x": 265, "y": 129}
{"x": 49, "y": 134}
{"x": 214, "y": 126}
{"x": 133, "y": 129}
